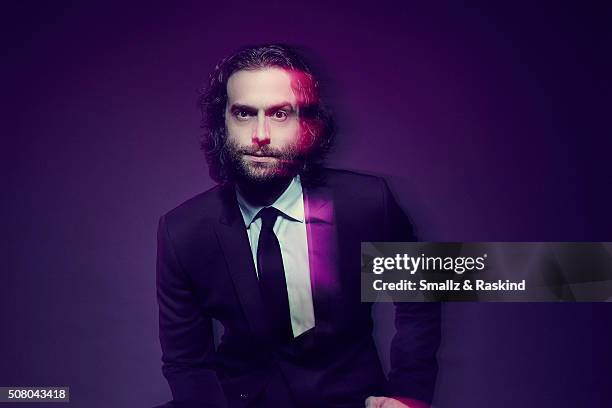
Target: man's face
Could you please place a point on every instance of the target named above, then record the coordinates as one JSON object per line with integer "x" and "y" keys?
{"x": 263, "y": 129}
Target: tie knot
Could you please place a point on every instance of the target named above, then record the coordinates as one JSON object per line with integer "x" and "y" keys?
{"x": 268, "y": 217}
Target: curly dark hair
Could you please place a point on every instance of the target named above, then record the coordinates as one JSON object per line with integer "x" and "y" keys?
{"x": 212, "y": 101}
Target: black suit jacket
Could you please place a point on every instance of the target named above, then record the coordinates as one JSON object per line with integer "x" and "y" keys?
{"x": 205, "y": 271}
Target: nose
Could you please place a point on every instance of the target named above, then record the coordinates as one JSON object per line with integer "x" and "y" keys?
{"x": 261, "y": 135}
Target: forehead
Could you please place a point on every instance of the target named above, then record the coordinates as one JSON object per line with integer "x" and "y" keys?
{"x": 267, "y": 86}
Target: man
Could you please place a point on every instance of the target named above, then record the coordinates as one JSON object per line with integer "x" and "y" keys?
{"x": 273, "y": 254}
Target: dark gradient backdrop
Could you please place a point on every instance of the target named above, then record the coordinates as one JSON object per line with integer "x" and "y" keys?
{"x": 490, "y": 121}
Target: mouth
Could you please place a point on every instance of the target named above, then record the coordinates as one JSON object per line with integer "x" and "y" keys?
{"x": 260, "y": 157}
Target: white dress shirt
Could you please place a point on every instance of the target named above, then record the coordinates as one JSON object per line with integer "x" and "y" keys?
{"x": 290, "y": 230}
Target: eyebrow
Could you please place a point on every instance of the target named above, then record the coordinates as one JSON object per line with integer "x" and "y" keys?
{"x": 269, "y": 110}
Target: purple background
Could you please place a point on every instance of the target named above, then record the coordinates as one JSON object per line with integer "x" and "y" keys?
{"x": 489, "y": 122}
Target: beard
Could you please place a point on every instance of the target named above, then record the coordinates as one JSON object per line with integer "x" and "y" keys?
{"x": 263, "y": 165}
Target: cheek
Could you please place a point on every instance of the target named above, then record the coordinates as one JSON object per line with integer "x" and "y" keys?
{"x": 238, "y": 132}
{"x": 286, "y": 133}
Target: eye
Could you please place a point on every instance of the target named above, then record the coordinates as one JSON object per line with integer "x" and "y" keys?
{"x": 280, "y": 115}
{"x": 242, "y": 114}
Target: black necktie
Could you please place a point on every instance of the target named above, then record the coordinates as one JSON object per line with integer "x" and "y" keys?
{"x": 272, "y": 283}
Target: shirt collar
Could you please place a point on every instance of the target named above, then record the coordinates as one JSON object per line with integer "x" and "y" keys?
{"x": 290, "y": 203}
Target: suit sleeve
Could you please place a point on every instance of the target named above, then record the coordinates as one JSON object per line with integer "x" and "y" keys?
{"x": 414, "y": 366}
{"x": 185, "y": 333}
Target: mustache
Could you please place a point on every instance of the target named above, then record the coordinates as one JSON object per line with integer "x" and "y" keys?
{"x": 264, "y": 151}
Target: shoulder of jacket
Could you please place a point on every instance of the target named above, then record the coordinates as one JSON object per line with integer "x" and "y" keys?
{"x": 349, "y": 177}
{"x": 207, "y": 203}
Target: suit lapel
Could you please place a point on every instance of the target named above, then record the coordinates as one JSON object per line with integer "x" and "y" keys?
{"x": 234, "y": 241}
{"x": 320, "y": 215}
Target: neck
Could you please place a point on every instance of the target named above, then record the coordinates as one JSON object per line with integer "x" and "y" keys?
{"x": 263, "y": 193}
